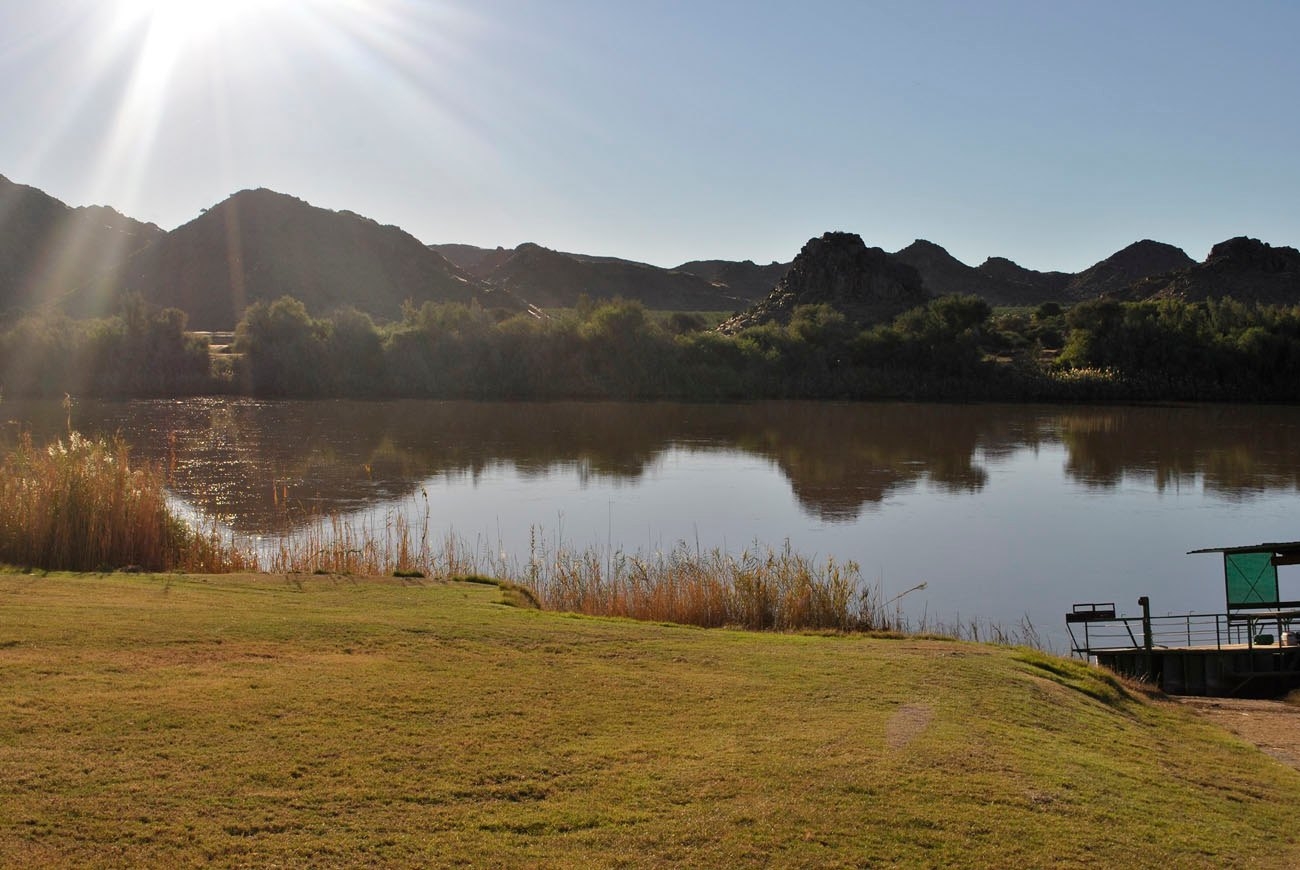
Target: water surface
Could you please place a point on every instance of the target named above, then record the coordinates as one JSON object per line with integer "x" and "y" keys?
{"x": 1003, "y": 511}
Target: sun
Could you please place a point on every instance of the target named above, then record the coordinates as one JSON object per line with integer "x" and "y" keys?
{"x": 178, "y": 22}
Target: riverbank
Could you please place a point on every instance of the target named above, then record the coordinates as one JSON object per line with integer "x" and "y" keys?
{"x": 299, "y": 719}
{"x": 1273, "y": 726}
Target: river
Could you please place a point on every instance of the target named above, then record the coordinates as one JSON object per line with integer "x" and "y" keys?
{"x": 1004, "y": 512}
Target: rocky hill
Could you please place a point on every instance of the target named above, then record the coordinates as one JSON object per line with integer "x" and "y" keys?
{"x": 552, "y": 279}
{"x": 744, "y": 279}
{"x": 48, "y": 249}
{"x": 733, "y": 284}
{"x": 1245, "y": 269}
{"x": 1028, "y": 285}
{"x": 475, "y": 261}
{"x": 260, "y": 245}
{"x": 943, "y": 274}
{"x": 1001, "y": 282}
{"x": 1140, "y": 260}
{"x": 866, "y": 284}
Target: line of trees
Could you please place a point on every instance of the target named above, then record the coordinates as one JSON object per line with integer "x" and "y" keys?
{"x": 138, "y": 352}
{"x": 610, "y": 350}
{"x": 1218, "y": 349}
{"x": 955, "y": 347}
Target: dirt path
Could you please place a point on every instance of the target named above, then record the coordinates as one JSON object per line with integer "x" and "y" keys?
{"x": 1273, "y": 726}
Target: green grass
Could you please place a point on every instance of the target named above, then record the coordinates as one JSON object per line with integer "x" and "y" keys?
{"x": 305, "y": 720}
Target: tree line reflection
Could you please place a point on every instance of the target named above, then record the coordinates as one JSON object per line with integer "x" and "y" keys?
{"x": 262, "y": 465}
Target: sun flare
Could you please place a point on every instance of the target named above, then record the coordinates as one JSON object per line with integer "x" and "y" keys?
{"x": 181, "y": 21}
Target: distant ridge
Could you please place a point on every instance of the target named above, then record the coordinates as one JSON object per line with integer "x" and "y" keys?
{"x": 553, "y": 279}
{"x": 1245, "y": 269}
{"x": 744, "y": 278}
{"x": 48, "y": 249}
{"x": 478, "y": 262}
{"x": 1027, "y": 284}
{"x": 734, "y": 284}
{"x": 260, "y": 245}
{"x": 1002, "y": 282}
{"x": 943, "y": 275}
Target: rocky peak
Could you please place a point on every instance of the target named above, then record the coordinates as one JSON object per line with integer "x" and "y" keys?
{"x": 866, "y": 284}
{"x": 940, "y": 271}
{"x": 927, "y": 248}
{"x": 1247, "y": 253}
{"x": 1121, "y": 269}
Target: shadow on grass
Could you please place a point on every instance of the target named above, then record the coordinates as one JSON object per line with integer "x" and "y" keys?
{"x": 512, "y": 594}
{"x": 1097, "y": 683}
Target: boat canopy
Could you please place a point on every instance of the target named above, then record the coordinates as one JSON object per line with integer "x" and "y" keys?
{"x": 1250, "y": 573}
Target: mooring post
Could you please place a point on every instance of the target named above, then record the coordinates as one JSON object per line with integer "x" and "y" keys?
{"x": 1145, "y": 603}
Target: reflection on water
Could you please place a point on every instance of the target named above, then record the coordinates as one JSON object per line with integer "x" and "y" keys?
{"x": 1003, "y": 511}
{"x": 261, "y": 465}
{"x": 1235, "y": 452}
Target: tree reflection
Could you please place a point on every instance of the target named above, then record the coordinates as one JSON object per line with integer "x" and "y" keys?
{"x": 1235, "y": 450}
{"x": 265, "y": 465}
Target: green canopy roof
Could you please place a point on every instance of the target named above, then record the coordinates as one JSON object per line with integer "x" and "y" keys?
{"x": 1250, "y": 573}
{"x": 1284, "y": 553}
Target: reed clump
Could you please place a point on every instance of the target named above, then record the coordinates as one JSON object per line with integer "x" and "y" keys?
{"x": 81, "y": 504}
{"x": 760, "y": 589}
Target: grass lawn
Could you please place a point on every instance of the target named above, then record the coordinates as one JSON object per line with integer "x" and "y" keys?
{"x": 265, "y": 720}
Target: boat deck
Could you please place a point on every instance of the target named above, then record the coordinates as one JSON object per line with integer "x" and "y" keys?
{"x": 1254, "y": 653}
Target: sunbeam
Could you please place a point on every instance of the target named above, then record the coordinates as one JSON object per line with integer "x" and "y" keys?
{"x": 230, "y": 77}
{"x": 222, "y": 90}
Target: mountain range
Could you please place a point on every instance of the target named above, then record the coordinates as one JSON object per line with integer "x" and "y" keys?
{"x": 260, "y": 245}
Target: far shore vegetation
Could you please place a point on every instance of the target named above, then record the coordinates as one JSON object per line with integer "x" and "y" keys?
{"x": 953, "y": 348}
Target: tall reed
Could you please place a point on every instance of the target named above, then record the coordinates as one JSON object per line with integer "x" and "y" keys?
{"x": 82, "y": 505}
{"x": 762, "y": 588}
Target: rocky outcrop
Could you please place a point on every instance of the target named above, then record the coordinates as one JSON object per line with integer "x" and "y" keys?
{"x": 1245, "y": 269}
{"x": 865, "y": 284}
{"x": 1120, "y": 270}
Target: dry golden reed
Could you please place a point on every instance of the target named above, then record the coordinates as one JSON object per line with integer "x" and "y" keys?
{"x": 79, "y": 504}
{"x": 762, "y": 588}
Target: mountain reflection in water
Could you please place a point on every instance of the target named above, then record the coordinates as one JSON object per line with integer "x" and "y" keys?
{"x": 264, "y": 465}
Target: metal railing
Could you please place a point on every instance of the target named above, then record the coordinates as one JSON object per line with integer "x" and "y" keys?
{"x": 1091, "y": 634}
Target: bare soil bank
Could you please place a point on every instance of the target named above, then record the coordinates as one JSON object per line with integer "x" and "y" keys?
{"x": 1273, "y": 726}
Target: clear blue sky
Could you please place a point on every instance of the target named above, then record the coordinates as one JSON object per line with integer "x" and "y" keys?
{"x": 1052, "y": 133}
